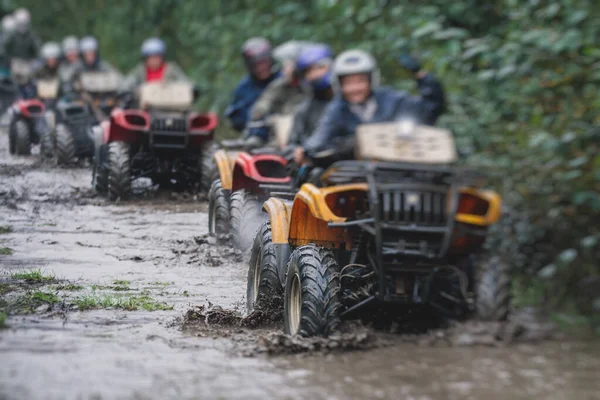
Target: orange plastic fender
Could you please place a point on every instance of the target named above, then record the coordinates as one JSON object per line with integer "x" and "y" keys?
{"x": 311, "y": 214}
{"x": 493, "y": 211}
{"x": 279, "y": 212}
{"x": 225, "y": 162}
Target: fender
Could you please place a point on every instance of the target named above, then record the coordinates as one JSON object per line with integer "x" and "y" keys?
{"x": 126, "y": 124}
{"x": 492, "y": 213}
{"x": 105, "y": 126}
{"x": 225, "y": 161}
{"x": 251, "y": 170}
{"x": 280, "y": 212}
{"x": 31, "y": 108}
{"x": 311, "y": 215}
{"x": 202, "y": 127}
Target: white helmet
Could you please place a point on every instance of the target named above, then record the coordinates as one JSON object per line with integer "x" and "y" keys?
{"x": 353, "y": 62}
{"x": 289, "y": 51}
{"x": 70, "y": 44}
{"x": 22, "y": 19}
{"x": 8, "y": 24}
{"x": 50, "y": 50}
{"x": 88, "y": 43}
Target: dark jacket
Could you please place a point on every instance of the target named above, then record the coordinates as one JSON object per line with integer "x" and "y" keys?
{"x": 244, "y": 96}
{"x": 339, "y": 121}
{"x": 23, "y": 45}
{"x": 306, "y": 119}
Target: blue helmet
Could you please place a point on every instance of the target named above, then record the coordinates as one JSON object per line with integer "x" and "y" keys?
{"x": 153, "y": 47}
{"x": 313, "y": 55}
{"x": 317, "y": 54}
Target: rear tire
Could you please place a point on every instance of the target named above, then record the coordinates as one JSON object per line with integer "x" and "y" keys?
{"x": 311, "y": 297}
{"x": 22, "y": 138}
{"x": 245, "y": 218}
{"x": 218, "y": 210}
{"x": 493, "y": 290}
{"x": 47, "y": 144}
{"x": 119, "y": 171}
{"x": 263, "y": 290}
{"x": 65, "y": 145}
{"x": 209, "y": 172}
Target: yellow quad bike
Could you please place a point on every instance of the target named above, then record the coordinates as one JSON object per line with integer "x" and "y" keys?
{"x": 236, "y": 193}
{"x": 396, "y": 229}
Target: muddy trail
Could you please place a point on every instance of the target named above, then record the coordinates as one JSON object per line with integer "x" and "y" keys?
{"x": 134, "y": 300}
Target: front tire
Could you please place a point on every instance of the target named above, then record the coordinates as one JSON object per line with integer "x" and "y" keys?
{"x": 493, "y": 287}
{"x": 245, "y": 217}
{"x": 209, "y": 172}
{"x": 47, "y": 144}
{"x": 65, "y": 145}
{"x": 22, "y": 138}
{"x": 263, "y": 288}
{"x": 218, "y": 210}
{"x": 119, "y": 171}
{"x": 311, "y": 297}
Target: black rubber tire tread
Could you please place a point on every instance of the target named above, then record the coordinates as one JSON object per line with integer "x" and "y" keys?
{"x": 269, "y": 287}
{"x": 245, "y": 217}
{"x": 47, "y": 145}
{"x": 22, "y": 138}
{"x": 100, "y": 175}
{"x": 12, "y": 136}
{"x": 209, "y": 172}
{"x": 320, "y": 284}
{"x": 218, "y": 205}
{"x": 493, "y": 290}
{"x": 119, "y": 171}
{"x": 65, "y": 145}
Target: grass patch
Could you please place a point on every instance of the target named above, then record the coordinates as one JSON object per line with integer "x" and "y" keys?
{"x": 48, "y": 224}
{"x": 6, "y": 251}
{"x": 5, "y": 229}
{"x": 28, "y": 302}
{"x": 121, "y": 283}
{"x": 6, "y": 288}
{"x": 128, "y": 303}
{"x": 33, "y": 276}
{"x": 44, "y": 297}
{"x": 70, "y": 287}
{"x": 3, "y": 320}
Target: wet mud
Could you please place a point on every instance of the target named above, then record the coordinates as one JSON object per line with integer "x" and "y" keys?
{"x": 135, "y": 300}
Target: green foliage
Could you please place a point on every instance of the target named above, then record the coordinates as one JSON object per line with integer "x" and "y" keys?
{"x": 33, "y": 276}
{"x": 3, "y": 317}
{"x": 522, "y": 82}
{"x": 6, "y": 251}
{"x": 129, "y": 303}
{"x": 5, "y": 229}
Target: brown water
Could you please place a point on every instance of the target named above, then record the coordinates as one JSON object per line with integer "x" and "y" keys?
{"x": 61, "y": 353}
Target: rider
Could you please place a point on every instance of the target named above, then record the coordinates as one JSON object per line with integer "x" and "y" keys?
{"x": 91, "y": 61}
{"x": 71, "y": 60}
{"x": 314, "y": 68}
{"x": 51, "y": 55}
{"x": 257, "y": 53}
{"x": 23, "y": 43}
{"x": 155, "y": 67}
{"x": 359, "y": 99}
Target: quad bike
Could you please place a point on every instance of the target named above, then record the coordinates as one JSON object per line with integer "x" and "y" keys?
{"x": 95, "y": 96}
{"x": 27, "y": 123}
{"x": 8, "y": 93}
{"x": 237, "y": 189}
{"x": 163, "y": 140}
{"x": 397, "y": 229}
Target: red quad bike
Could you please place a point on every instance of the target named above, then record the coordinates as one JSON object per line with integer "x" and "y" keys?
{"x": 27, "y": 125}
{"x": 242, "y": 183}
{"x": 163, "y": 140}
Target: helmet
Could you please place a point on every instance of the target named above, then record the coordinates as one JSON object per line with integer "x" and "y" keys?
{"x": 316, "y": 54}
{"x": 50, "y": 50}
{"x": 256, "y": 49}
{"x": 288, "y": 51}
{"x": 22, "y": 19}
{"x": 70, "y": 44}
{"x": 8, "y": 24}
{"x": 353, "y": 62}
{"x": 88, "y": 43}
{"x": 153, "y": 47}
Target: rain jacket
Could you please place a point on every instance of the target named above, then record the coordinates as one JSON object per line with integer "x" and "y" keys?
{"x": 244, "y": 96}
{"x": 23, "y": 45}
{"x": 340, "y": 121}
{"x": 172, "y": 73}
{"x": 306, "y": 119}
{"x": 280, "y": 97}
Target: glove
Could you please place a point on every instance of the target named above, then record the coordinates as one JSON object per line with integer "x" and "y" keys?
{"x": 409, "y": 62}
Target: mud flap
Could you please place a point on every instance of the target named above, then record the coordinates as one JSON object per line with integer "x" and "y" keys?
{"x": 282, "y": 255}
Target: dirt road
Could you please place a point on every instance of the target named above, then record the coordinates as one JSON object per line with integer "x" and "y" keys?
{"x": 96, "y": 295}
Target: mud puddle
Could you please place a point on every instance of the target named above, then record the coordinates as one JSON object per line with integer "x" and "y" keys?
{"x": 103, "y": 317}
